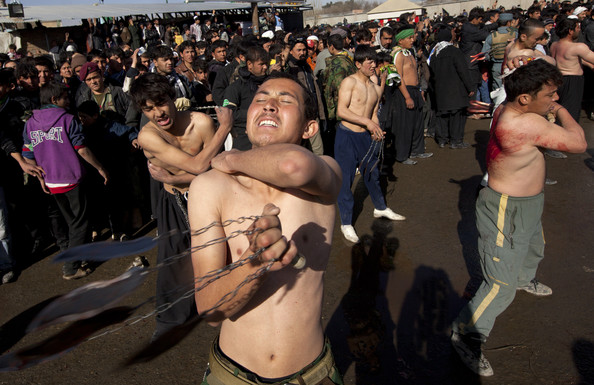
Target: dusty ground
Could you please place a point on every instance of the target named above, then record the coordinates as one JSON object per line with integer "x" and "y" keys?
{"x": 389, "y": 301}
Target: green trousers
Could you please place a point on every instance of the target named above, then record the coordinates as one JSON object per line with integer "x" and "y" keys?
{"x": 222, "y": 371}
{"x": 510, "y": 245}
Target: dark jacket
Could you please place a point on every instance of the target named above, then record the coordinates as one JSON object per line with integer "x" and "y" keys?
{"x": 222, "y": 81}
{"x": 450, "y": 80}
{"x": 135, "y": 34}
{"x": 214, "y": 67}
{"x": 11, "y": 141}
{"x": 471, "y": 43}
{"x": 240, "y": 95}
{"x": 302, "y": 71}
{"x": 121, "y": 102}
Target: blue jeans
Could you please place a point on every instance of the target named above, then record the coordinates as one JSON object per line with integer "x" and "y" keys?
{"x": 352, "y": 149}
{"x": 482, "y": 93}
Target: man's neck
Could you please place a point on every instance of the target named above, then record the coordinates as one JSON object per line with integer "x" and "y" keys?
{"x": 521, "y": 46}
{"x": 517, "y": 108}
{"x": 102, "y": 91}
{"x": 362, "y": 77}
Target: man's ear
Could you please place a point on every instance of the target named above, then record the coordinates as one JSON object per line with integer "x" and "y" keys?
{"x": 524, "y": 99}
{"x": 311, "y": 129}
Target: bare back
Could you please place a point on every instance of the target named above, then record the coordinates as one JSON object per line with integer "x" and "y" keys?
{"x": 191, "y": 132}
{"x": 515, "y": 164}
{"x": 362, "y": 99}
{"x": 516, "y": 167}
{"x": 569, "y": 56}
{"x": 279, "y": 330}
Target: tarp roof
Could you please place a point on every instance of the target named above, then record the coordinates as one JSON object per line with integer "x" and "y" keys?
{"x": 69, "y": 15}
{"x": 395, "y": 6}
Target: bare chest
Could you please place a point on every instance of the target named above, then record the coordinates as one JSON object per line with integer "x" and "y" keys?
{"x": 306, "y": 222}
{"x": 364, "y": 98}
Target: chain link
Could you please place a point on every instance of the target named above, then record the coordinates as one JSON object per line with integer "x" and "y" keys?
{"x": 201, "y": 282}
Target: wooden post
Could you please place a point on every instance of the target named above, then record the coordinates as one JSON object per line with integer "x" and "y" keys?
{"x": 255, "y": 20}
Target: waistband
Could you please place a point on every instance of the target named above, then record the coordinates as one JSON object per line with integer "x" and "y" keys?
{"x": 231, "y": 374}
{"x": 536, "y": 197}
{"x": 345, "y": 128}
{"x": 573, "y": 76}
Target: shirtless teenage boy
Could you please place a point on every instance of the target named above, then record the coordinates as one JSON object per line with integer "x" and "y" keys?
{"x": 508, "y": 211}
{"x": 179, "y": 146}
{"x": 570, "y": 55}
{"x": 271, "y": 330}
{"x": 408, "y": 103}
{"x": 358, "y": 100}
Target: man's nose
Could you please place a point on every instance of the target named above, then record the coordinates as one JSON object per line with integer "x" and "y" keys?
{"x": 555, "y": 97}
{"x": 271, "y": 105}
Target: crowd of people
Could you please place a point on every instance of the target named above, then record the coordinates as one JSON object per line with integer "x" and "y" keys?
{"x": 80, "y": 124}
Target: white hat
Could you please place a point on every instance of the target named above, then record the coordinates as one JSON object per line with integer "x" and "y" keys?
{"x": 313, "y": 37}
{"x": 573, "y": 17}
{"x": 70, "y": 48}
{"x": 268, "y": 34}
{"x": 579, "y": 10}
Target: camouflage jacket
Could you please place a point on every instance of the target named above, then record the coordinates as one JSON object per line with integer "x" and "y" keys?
{"x": 338, "y": 67}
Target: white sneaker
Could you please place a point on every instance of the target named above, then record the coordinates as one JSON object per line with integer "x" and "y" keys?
{"x": 349, "y": 233}
{"x": 536, "y": 288}
{"x": 389, "y": 214}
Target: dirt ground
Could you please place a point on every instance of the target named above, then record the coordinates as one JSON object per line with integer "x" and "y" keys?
{"x": 390, "y": 300}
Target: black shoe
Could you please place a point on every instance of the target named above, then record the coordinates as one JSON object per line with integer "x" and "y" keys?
{"x": 442, "y": 144}
{"x": 459, "y": 146}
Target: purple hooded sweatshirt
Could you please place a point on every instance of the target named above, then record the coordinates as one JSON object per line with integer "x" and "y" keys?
{"x": 52, "y": 137}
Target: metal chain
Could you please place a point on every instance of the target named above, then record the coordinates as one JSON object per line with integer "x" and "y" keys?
{"x": 201, "y": 282}
{"x": 372, "y": 148}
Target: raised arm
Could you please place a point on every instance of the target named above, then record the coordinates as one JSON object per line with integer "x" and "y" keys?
{"x": 569, "y": 136}
{"x": 166, "y": 153}
{"x": 585, "y": 54}
{"x": 203, "y": 209}
{"x": 285, "y": 166}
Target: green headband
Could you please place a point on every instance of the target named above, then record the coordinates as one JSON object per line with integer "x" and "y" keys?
{"x": 404, "y": 34}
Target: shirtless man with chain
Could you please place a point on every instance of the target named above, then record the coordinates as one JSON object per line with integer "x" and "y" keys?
{"x": 570, "y": 55}
{"x": 179, "y": 146}
{"x": 407, "y": 103}
{"x": 354, "y": 146}
{"x": 508, "y": 211}
{"x": 524, "y": 46}
{"x": 271, "y": 330}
